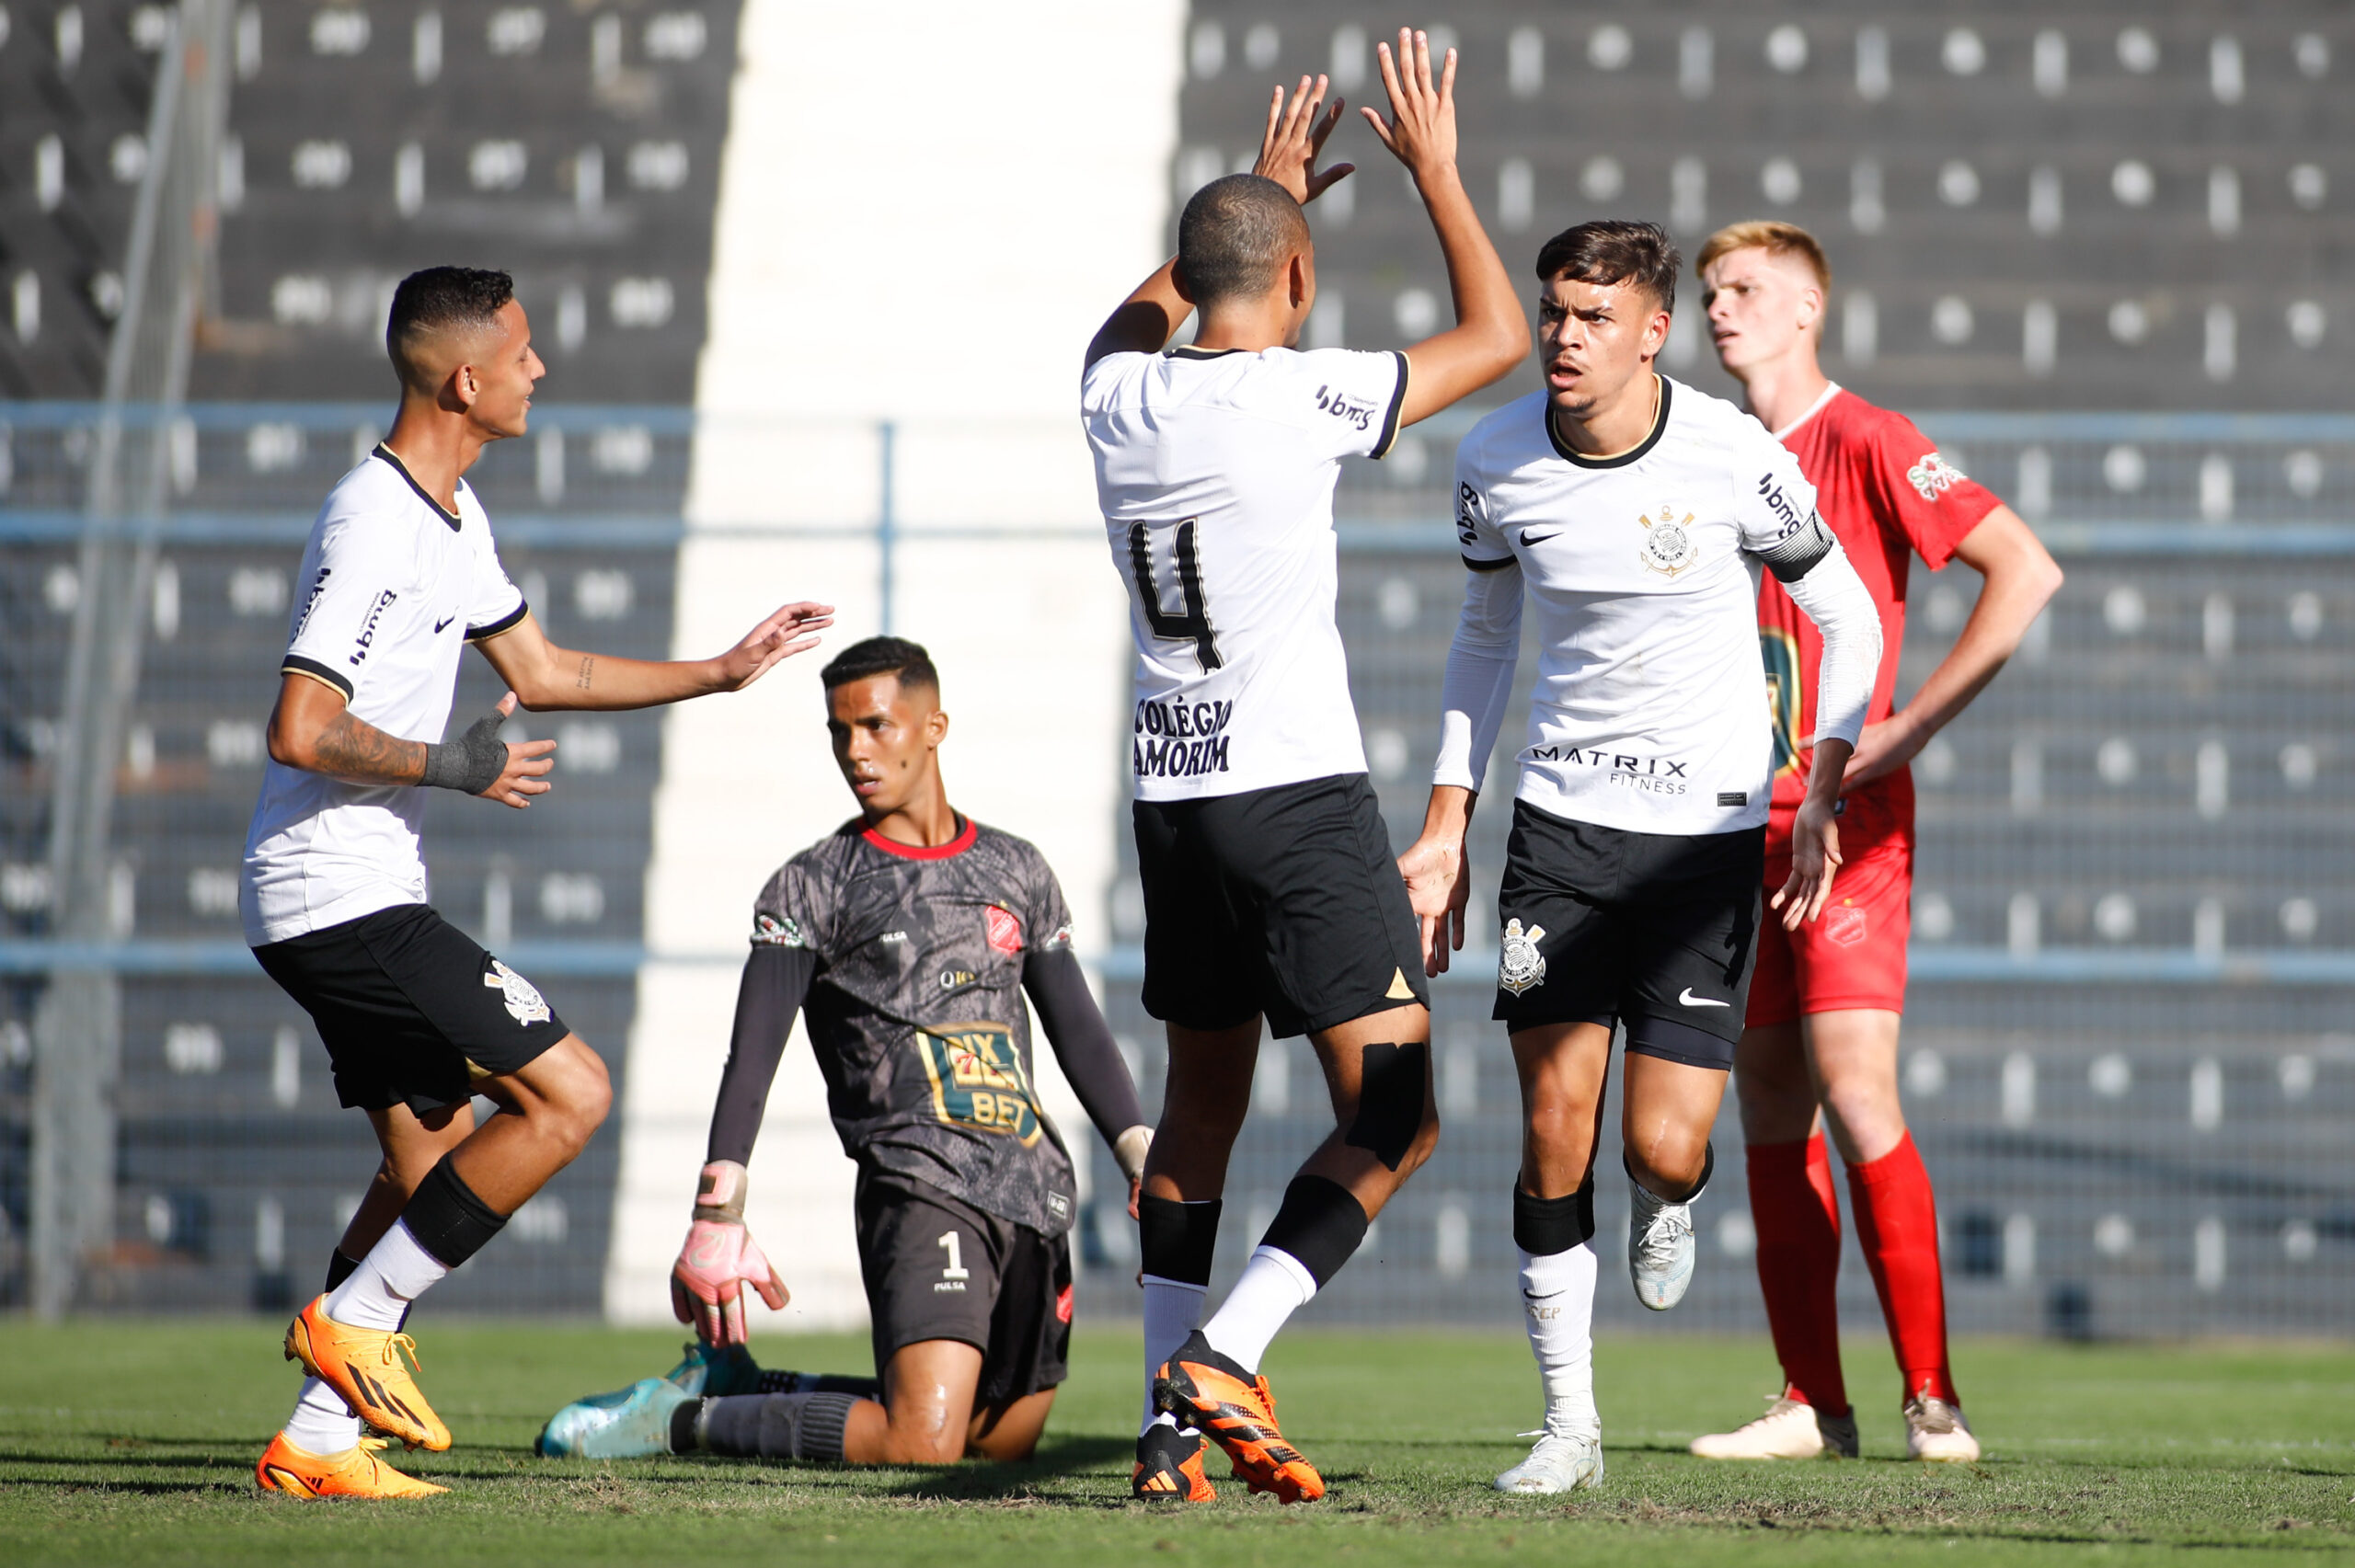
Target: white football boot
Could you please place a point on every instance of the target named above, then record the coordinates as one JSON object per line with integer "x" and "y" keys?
{"x": 1936, "y": 1431}
{"x": 1791, "y": 1429}
{"x": 1562, "y": 1462}
{"x": 1660, "y": 1248}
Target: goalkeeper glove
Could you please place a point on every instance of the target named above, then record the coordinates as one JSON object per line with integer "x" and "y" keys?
{"x": 718, "y": 1259}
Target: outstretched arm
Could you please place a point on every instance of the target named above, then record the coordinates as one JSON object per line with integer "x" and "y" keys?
{"x": 1074, "y": 1026}
{"x": 1490, "y": 335}
{"x": 2021, "y": 578}
{"x": 1288, "y": 149}
{"x": 547, "y": 677}
{"x": 312, "y": 730}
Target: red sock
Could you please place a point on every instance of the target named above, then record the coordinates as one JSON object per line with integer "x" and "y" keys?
{"x": 1897, "y": 1222}
{"x": 1797, "y": 1216}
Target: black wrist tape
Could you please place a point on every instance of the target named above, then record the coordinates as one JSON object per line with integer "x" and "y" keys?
{"x": 471, "y": 763}
{"x": 1176, "y": 1241}
{"x": 447, "y": 1218}
{"x": 1321, "y": 1223}
{"x": 1392, "y": 1082}
{"x": 1545, "y": 1226}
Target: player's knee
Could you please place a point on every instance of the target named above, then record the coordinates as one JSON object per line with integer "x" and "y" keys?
{"x": 1394, "y": 1119}
{"x": 582, "y": 1098}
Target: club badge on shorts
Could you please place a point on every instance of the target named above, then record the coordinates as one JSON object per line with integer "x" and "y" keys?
{"x": 1519, "y": 964}
{"x": 524, "y": 1002}
{"x": 1667, "y": 546}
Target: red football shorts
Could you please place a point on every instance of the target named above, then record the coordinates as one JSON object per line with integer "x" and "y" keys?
{"x": 1854, "y": 955}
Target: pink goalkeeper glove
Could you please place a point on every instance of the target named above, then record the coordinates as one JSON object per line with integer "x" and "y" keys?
{"x": 719, "y": 1258}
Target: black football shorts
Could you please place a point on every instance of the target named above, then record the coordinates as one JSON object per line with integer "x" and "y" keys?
{"x": 1283, "y": 901}
{"x": 937, "y": 1267}
{"x": 411, "y": 1008}
{"x": 1603, "y": 926}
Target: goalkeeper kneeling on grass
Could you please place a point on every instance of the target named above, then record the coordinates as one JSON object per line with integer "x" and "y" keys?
{"x": 907, "y": 938}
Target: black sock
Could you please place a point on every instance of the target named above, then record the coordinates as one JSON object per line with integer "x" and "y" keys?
{"x": 772, "y": 1426}
{"x": 447, "y": 1218}
{"x": 338, "y": 1269}
{"x": 821, "y": 1383}
{"x": 1321, "y": 1223}
{"x": 1176, "y": 1241}
{"x": 1545, "y": 1226}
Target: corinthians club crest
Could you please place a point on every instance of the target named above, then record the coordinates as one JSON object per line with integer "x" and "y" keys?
{"x": 524, "y": 1003}
{"x": 1519, "y": 964}
{"x": 1667, "y": 547}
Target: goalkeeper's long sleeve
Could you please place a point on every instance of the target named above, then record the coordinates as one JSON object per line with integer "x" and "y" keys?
{"x": 1074, "y": 1025}
{"x": 775, "y": 980}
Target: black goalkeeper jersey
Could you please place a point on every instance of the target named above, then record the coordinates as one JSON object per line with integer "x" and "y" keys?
{"x": 915, "y": 1008}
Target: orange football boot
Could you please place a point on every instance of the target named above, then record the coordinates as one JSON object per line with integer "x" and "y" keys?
{"x": 364, "y": 1366}
{"x": 1236, "y": 1410}
{"x": 355, "y": 1472}
{"x": 1169, "y": 1467}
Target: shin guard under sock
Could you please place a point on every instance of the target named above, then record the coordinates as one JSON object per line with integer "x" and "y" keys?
{"x": 764, "y": 1426}
{"x": 447, "y": 1218}
{"x": 1897, "y": 1222}
{"x": 1797, "y": 1217}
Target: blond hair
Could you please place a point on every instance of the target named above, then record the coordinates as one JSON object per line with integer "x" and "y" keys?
{"x": 1773, "y": 238}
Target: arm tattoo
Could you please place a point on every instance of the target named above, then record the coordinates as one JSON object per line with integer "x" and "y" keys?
{"x": 588, "y": 662}
{"x": 358, "y": 752}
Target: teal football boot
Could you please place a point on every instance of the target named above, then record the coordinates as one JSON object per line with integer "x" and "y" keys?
{"x": 629, "y": 1424}
{"x": 712, "y": 1371}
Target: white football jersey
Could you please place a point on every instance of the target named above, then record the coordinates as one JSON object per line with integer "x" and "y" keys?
{"x": 1645, "y": 714}
{"x": 392, "y": 590}
{"x": 1215, "y": 471}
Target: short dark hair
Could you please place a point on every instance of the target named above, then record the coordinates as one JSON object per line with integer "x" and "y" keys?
{"x": 1615, "y": 250}
{"x": 1234, "y": 235}
{"x": 440, "y": 299}
{"x": 882, "y": 656}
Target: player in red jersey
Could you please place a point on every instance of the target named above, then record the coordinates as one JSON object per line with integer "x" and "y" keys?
{"x": 1820, "y": 1051}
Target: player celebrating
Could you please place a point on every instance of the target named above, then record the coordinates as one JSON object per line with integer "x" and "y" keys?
{"x": 399, "y": 577}
{"x": 1635, "y": 511}
{"x": 906, "y": 938}
{"x": 1268, "y": 886}
{"x": 1826, "y": 1005}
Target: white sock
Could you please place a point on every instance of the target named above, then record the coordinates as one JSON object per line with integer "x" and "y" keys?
{"x": 1274, "y": 1286}
{"x": 1173, "y": 1310}
{"x": 396, "y": 1271}
{"x": 322, "y": 1424}
{"x": 1557, "y": 1303}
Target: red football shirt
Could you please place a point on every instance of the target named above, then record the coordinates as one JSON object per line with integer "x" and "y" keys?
{"x": 1888, "y": 495}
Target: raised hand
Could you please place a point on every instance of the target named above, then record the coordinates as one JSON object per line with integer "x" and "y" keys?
{"x": 1295, "y": 138}
{"x": 791, "y": 629}
{"x": 1421, "y": 129}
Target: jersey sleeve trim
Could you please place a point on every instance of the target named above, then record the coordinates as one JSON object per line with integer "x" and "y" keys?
{"x": 506, "y": 623}
{"x": 296, "y": 664}
{"x": 1480, "y": 565}
{"x": 1397, "y": 406}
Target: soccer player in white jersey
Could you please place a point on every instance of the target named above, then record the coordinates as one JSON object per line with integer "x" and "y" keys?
{"x": 400, "y": 576}
{"x": 1268, "y": 885}
{"x": 1635, "y": 513}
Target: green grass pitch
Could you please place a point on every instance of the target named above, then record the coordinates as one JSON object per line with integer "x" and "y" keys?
{"x": 133, "y": 1442}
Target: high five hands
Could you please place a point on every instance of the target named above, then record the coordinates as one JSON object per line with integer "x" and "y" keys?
{"x": 1421, "y": 131}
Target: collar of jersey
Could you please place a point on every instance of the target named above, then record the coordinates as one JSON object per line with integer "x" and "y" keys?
{"x": 1619, "y": 460}
{"x": 456, "y": 522}
{"x": 955, "y": 846}
{"x": 1188, "y": 351}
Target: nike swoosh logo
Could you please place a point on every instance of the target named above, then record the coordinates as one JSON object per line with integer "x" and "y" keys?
{"x": 1540, "y": 538}
{"x": 441, "y": 626}
{"x": 1689, "y": 1000}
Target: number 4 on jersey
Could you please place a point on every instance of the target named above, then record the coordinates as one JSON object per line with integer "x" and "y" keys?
{"x": 1191, "y": 624}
